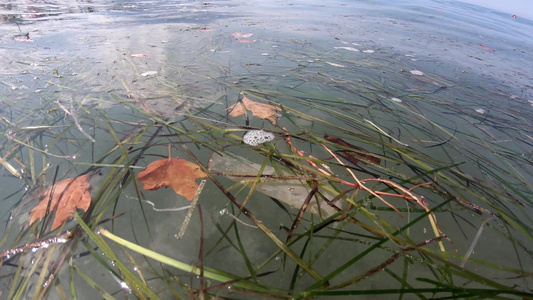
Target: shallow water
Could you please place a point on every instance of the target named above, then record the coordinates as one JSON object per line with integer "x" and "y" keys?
{"x": 445, "y": 66}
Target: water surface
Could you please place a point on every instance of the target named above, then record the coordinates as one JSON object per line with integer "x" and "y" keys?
{"x": 422, "y": 73}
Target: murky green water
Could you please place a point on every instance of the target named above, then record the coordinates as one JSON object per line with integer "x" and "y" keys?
{"x": 449, "y": 80}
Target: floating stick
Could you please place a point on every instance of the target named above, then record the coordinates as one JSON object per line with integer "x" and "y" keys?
{"x": 76, "y": 122}
{"x": 191, "y": 209}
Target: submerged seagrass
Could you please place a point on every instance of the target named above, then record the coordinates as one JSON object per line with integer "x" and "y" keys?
{"x": 394, "y": 173}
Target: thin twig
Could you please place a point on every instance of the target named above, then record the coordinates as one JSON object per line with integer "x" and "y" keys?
{"x": 45, "y": 243}
{"x": 474, "y": 242}
{"x": 302, "y": 210}
{"x": 226, "y": 212}
{"x": 191, "y": 209}
{"x": 76, "y": 122}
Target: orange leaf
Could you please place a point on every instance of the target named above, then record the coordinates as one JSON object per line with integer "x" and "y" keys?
{"x": 260, "y": 110}
{"x": 64, "y": 198}
{"x": 172, "y": 172}
{"x": 239, "y": 35}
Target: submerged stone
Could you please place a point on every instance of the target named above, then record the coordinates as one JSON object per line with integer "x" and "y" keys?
{"x": 289, "y": 191}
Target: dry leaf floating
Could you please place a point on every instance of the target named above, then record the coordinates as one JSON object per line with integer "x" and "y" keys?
{"x": 64, "y": 197}
{"x": 240, "y": 37}
{"x": 177, "y": 173}
{"x": 260, "y": 110}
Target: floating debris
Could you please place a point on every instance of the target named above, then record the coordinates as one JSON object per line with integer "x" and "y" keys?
{"x": 348, "y": 49}
{"x": 259, "y": 110}
{"x": 369, "y": 51}
{"x": 480, "y": 110}
{"x": 256, "y": 137}
{"x": 487, "y": 48}
{"x": 348, "y": 43}
{"x": 149, "y": 73}
{"x": 394, "y": 99}
{"x": 417, "y": 72}
{"x": 240, "y": 35}
{"x": 23, "y": 37}
{"x": 335, "y": 65}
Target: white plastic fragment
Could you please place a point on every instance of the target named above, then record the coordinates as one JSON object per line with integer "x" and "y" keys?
{"x": 348, "y": 49}
{"x": 348, "y": 43}
{"x": 394, "y": 99}
{"x": 256, "y": 137}
{"x": 149, "y": 73}
{"x": 417, "y": 72}
{"x": 480, "y": 110}
{"x": 335, "y": 65}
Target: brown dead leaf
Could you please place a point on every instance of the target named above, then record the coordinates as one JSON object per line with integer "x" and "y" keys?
{"x": 353, "y": 156}
{"x": 260, "y": 110}
{"x": 240, "y": 35}
{"x": 487, "y": 48}
{"x": 23, "y": 37}
{"x": 177, "y": 173}
{"x": 64, "y": 198}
